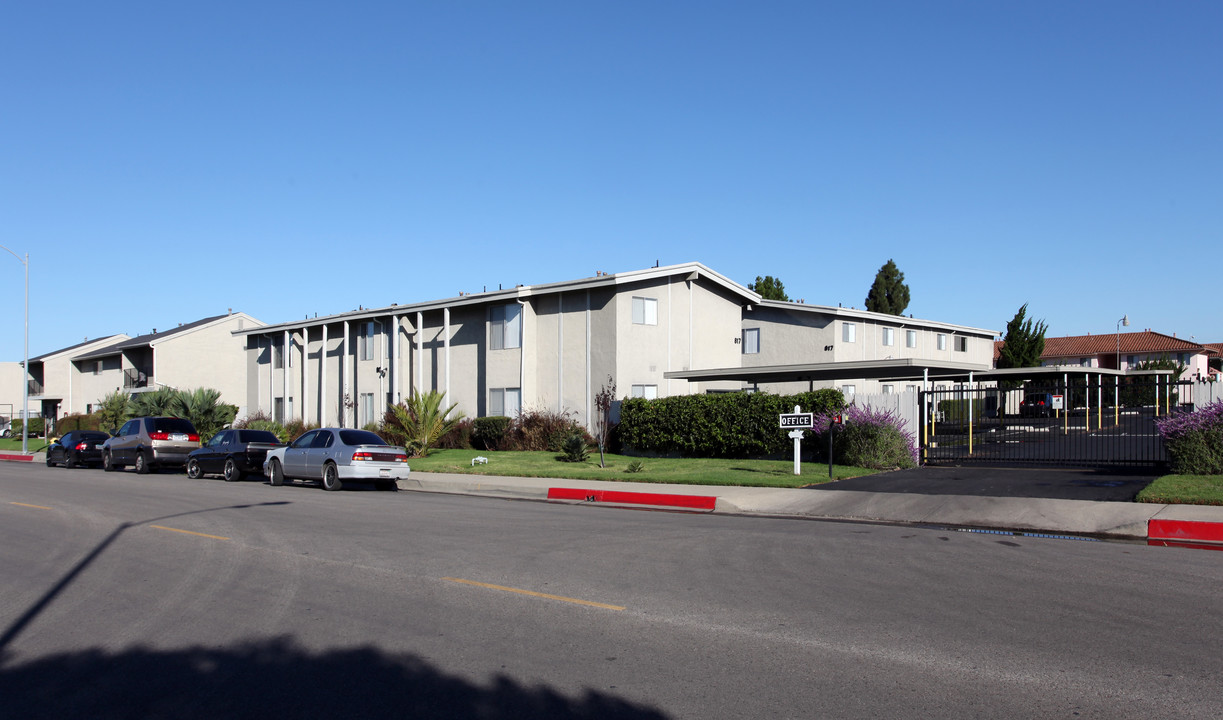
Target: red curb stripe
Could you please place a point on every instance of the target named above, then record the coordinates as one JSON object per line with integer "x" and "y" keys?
{"x": 17, "y": 458}
{"x": 696, "y": 502}
{"x": 1184, "y": 530}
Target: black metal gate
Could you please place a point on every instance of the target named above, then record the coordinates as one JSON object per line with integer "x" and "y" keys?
{"x": 1089, "y": 421}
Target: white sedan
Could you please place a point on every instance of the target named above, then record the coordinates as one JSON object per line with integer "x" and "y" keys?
{"x": 334, "y": 455}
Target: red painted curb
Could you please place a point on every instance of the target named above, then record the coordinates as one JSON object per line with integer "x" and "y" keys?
{"x": 695, "y": 502}
{"x": 1185, "y": 530}
{"x": 16, "y": 458}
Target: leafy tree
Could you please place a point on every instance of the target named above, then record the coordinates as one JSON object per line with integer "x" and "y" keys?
{"x": 420, "y": 422}
{"x": 114, "y": 410}
{"x": 769, "y": 288}
{"x": 1024, "y": 341}
{"x": 888, "y": 294}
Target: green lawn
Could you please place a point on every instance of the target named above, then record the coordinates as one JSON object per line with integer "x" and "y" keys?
{"x": 13, "y": 444}
{"x": 686, "y": 471}
{"x": 1184, "y": 490}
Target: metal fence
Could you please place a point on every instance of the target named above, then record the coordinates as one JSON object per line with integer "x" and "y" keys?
{"x": 1085, "y": 422}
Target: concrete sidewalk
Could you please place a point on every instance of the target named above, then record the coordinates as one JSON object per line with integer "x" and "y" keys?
{"x": 1131, "y": 521}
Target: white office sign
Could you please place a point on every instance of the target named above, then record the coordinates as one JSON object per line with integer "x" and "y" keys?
{"x": 1058, "y": 403}
{"x": 797, "y": 420}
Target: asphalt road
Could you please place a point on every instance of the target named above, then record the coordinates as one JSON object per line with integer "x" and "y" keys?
{"x": 158, "y": 596}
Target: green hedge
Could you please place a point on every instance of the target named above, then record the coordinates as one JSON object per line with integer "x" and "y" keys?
{"x": 726, "y": 425}
{"x": 37, "y": 427}
{"x": 77, "y": 422}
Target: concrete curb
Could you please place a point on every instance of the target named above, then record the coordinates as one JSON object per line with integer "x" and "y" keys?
{"x": 18, "y": 457}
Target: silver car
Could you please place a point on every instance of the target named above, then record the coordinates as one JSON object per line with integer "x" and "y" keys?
{"x": 149, "y": 442}
{"x": 335, "y": 455}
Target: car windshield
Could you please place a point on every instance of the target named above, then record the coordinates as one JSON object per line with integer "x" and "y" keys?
{"x": 257, "y": 436}
{"x": 89, "y": 436}
{"x": 173, "y": 425}
{"x": 360, "y": 437}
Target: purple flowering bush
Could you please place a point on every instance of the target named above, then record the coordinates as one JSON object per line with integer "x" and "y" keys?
{"x": 869, "y": 438}
{"x": 1195, "y": 440}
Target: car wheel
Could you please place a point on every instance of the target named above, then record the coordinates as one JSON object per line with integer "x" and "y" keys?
{"x": 50, "y": 462}
{"x": 142, "y": 464}
{"x": 107, "y": 465}
{"x": 69, "y": 461}
{"x": 331, "y": 477}
{"x": 277, "y": 474}
{"x": 194, "y": 471}
{"x": 230, "y": 472}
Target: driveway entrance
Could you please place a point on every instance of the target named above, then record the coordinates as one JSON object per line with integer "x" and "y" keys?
{"x": 1093, "y": 484}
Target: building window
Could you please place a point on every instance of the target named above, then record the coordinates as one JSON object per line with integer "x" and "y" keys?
{"x": 367, "y": 408}
{"x": 888, "y": 336}
{"x": 888, "y": 389}
{"x": 278, "y": 355}
{"x": 278, "y": 409}
{"x": 847, "y": 389}
{"x": 645, "y": 311}
{"x": 961, "y": 343}
{"x": 1129, "y": 360}
{"x": 504, "y": 401}
{"x": 942, "y": 341}
{"x": 910, "y": 388}
{"x": 751, "y": 341}
{"x": 97, "y": 367}
{"x": 849, "y": 332}
{"x": 911, "y": 338}
{"x": 649, "y": 392}
{"x": 365, "y": 342}
{"x": 1084, "y": 362}
{"x": 507, "y": 327}
{"x": 89, "y": 408}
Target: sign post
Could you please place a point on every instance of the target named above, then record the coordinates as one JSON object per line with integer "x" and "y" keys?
{"x": 796, "y": 421}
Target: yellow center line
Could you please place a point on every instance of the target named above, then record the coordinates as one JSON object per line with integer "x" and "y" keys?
{"x": 188, "y": 532}
{"x": 535, "y": 594}
{"x": 40, "y": 507}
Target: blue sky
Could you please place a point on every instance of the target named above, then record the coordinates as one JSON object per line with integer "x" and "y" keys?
{"x": 162, "y": 162}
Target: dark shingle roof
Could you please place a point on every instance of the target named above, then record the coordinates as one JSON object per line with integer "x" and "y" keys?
{"x": 145, "y": 340}
{"x": 69, "y": 348}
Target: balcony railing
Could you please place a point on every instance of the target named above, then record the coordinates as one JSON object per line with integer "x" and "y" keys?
{"x": 133, "y": 378}
{"x": 35, "y": 387}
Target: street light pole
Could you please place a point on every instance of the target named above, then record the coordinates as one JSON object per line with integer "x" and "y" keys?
{"x": 1125, "y": 320}
{"x": 25, "y": 403}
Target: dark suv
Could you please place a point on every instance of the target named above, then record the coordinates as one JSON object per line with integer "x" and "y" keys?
{"x": 149, "y": 442}
{"x": 1036, "y": 405}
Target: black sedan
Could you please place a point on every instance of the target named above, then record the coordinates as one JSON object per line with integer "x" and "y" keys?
{"x": 233, "y": 454}
{"x": 77, "y": 447}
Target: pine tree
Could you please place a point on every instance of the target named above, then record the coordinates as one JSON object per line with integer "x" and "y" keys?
{"x": 769, "y": 288}
{"x": 1024, "y": 341}
{"x": 888, "y": 294}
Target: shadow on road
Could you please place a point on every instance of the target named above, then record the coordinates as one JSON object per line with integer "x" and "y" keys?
{"x": 276, "y": 678}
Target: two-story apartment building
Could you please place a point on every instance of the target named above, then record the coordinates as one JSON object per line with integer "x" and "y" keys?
{"x": 203, "y": 353}
{"x": 56, "y": 387}
{"x": 554, "y": 346}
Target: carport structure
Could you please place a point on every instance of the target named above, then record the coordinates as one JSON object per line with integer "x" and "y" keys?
{"x": 971, "y": 414}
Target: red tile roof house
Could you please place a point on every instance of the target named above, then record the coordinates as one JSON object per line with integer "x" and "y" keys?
{"x": 1124, "y": 351}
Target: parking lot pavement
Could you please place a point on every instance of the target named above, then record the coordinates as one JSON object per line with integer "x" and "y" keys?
{"x": 1095, "y": 484}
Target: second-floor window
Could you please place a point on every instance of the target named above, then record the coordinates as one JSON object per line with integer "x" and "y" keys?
{"x": 278, "y": 355}
{"x": 942, "y": 341}
{"x": 961, "y": 343}
{"x": 849, "y": 332}
{"x": 645, "y": 311}
{"x": 888, "y": 336}
{"x": 751, "y": 341}
{"x": 911, "y": 338}
{"x": 506, "y": 327}
{"x": 365, "y": 343}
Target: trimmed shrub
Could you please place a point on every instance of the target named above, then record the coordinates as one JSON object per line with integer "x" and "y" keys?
{"x": 870, "y": 438}
{"x": 728, "y": 425}
{"x": 487, "y": 433}
{"x": 77, "y": 422}
{"x": 1194, "y": 440}
{"x": 37, "y": 427}
{"x": 459, "y": 437}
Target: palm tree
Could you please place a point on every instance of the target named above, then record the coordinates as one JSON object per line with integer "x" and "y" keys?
{"x": 162, "y": 401}
{"x": 421, "y": 422}
{"x": 203, "y": 407}
{"x": 114, "y": 410}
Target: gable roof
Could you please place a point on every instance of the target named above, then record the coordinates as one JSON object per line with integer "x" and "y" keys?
{"x": 154, "y": 337}
{"x": 690, "y": 270}
{"x": 72, "y": 348}
{"x": 1146, "y": 341}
